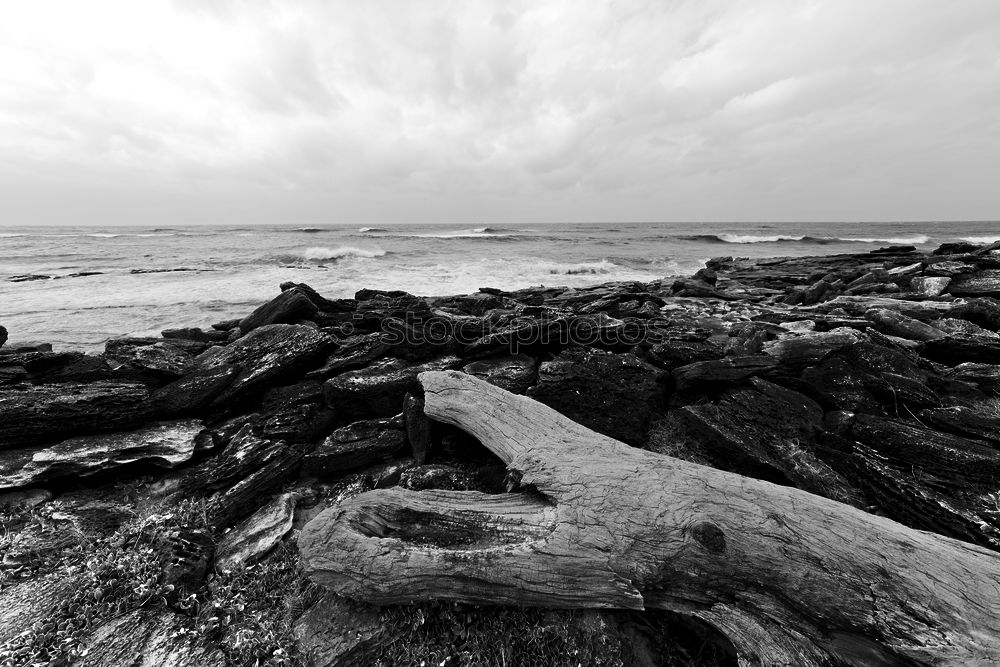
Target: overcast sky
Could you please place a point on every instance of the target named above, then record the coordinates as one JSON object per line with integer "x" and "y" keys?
{"x": 158, "y": 112}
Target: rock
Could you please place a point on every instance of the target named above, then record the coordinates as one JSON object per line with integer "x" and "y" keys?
{"x": 729, "y": 370}
{"x": 811, "y": 347}
{"x": 353, "y": 354}
{"x": 523, "y": 333}
{"x": 193, "y": 393}
{"x": 52, "y": 367}
{"x": 355, "y": 446}
{"x": 986, "y": 376}
{"x": 336, "y": 632}
{"x": 379, "y": 389}
{"x": 24, "y": 499}
{"x": 189, "y": 333}
{"x": 953, "y": 326}
{"x": 24, "y": 603}
{"x": 965, "y": 421}
{"x": 165, "y": 358}
{"x": 768, "y": 432}
{"x": 3, "y": 335}
{"x": 438, "y": 476}
{"x": 890, "y": 322}
{"x": 980, "y": 283}
{"x": 151, "y": 637}
{"x": 954, "y": 349}
{"x": 30, "y": 415}
{"x": 515, "y": 373}
{"x": 289, "y": 307}
{"x": 268, "y": 355}
{"x": 929, "y": 287}
{"x": 255, "y": 536}
{"x": 164, "y": 445}
{"x": 949, "y": 269}
{"x": 614, "y": 394}
{"x": 418, "y": 427}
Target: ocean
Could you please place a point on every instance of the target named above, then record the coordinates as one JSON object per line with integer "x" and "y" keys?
{"x": 76, "y": 287}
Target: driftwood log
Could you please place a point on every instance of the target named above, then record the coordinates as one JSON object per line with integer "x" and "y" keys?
{"x": 789, "y": 577}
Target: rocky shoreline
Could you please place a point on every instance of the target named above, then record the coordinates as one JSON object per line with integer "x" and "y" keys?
{"x": 152, "y": 496}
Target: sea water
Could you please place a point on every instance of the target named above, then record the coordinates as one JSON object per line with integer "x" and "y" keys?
{"x": 75, "y": 287}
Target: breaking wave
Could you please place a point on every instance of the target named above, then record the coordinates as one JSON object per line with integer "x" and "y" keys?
{"x": 917, "y": 239}
{"x": 320, "y": 253}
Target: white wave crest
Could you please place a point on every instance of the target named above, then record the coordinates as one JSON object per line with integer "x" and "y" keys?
{"x": 318, "y": 252}
{"x": 582, "y": 269}
{"x": 916, "y": 239}
{"x": 750, "y": 238}
{"x": 981, "y": 239}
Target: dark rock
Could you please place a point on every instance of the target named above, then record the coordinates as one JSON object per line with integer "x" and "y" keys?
{"x": 954, "y": 326}
{"x": 892, "y": 323}
{"x": 30, "y": 415}
{"x": 986, "y": 376}
{"x": 439, "y": 477}
{"x": 679, "y": 352}
{"x": 355, "y": 446}
{"x": 523, "y": 334}
{"x": 193, "y": 393}
{"x": 768, "y": 432}
{"x": 166, "y": 358}
{"x": 954, "y": 350}
{"x": 227, "y": 325}
{"x": 257, "y": 535}
{"x": 418, "y": 427}
{"x": 3, "y": 335}
{"x": 379, "y": 389}
{"x": 894, "y": 249}
{"x": 298, "y": 423}
{"x": 728, "y": 370}
{"x": 948, "y": 269}
{"x": 977, "y": 424}
{"x": 268, "y": 355}
{"x": 980, "y": 283}
{"x": 354, "y": 353}
{"x": 190, "y": 333}
{"x": 336, "y": 631}
{"x": 515, "y": 373}
{"x": 613, "y": 394}
{"x": 811, "y": 347}
{"x": 984, "y": 311}
{"x": 290, "y": 306}
{"x": 164, "y": 445}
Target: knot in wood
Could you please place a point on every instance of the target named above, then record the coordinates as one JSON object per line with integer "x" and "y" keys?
{"x": 710, "y": 536}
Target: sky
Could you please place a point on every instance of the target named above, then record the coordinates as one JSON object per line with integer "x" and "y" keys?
{"x": 328, "y": 111}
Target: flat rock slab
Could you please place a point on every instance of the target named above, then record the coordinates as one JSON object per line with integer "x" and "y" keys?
{"x": 380, "y": 389}
{"x": 265, "y": 357}
{"x": 515, "y": 372}
{"x": 255, "y": 536}
{"x": 30, "y": 415}
{"x": 354, "y": 446}
{"x": 165, "y": 445}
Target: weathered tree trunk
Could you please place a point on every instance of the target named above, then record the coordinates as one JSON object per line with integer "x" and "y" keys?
{"x": 791, "y": 578}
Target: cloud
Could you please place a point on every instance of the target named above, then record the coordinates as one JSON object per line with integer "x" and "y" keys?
{"x": 633, "y": 109}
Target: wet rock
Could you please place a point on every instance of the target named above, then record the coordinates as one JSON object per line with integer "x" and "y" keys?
{"x": 980, "y": 283}
{"x": 379, "y": 389}
{"x": 354, "y": 353}
{"x": 968, "y": 422}
{"x": 165, "y": 358}
{"x": 257, "y": 535}
{"x": 811, "y": 347}
{"x": 298, "y": 423}
{"x": 523, "y": 333}
{"x": 680, "y": 352}
{"x": 439, "y": 476}
{"x": 189, "y": 333}
{"x": 193, "y": 393}
{"x": 53, "y": 367}
{"x": 515, "y": 373}
{"x": 729, "y": 370}
{"x": 613, "y": 394}
{"x": 3, "y": 335}
{"x": 30, "y": 415}
{"x": 418, "y": 427}
{"x": 355, "y": 446}
{"x": 985, "y": 376}
{"x": 956, "y": 349}
{"x": 769, "y": 432}
{"x": 949, "y": 269}
{"x": 892, "y": 323}
{"x": 953, "y": 326}
{"x": 268, "y": 355}
{"x": 292, "y": 305}
{"x": 163, "y": 445}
